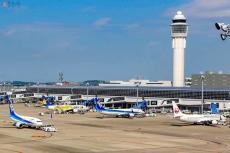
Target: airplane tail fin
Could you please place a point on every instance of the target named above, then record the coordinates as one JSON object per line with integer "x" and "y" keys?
{"x": 141, "y": 105}
{"x": 98, "y": 106}
{"x": 43, "y": 100}
{"x": 11, "y": 108}
{"x": 50, "y": 101}
{"x": 176, "y": 111}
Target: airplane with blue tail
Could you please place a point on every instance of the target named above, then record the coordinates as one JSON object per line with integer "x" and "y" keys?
{"x": 47, "y": 101}
{"x": 141, "y": 105}
{"x": 22, "y": 121}
{"x": 129, "y": 113}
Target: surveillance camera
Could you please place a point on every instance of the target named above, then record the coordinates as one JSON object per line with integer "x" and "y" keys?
{"x": 218, "y": 25}
{"x": 223, "y": 36}
{"x": 222, "y": 26}
{"x": 225, "y": 28}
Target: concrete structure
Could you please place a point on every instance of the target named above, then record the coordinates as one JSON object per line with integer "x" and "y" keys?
{"x": 212, "y": 79}
{"x": 161, "y": 92}
{"x": 134, "y": 82}
{"x": 179, "y": 30}
{"x": 159, "y": 98}
{"x": 188, "y": 82}
{"x": 153, "y": 103}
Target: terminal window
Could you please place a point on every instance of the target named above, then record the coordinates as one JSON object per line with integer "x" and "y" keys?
{"x": 75, "y": 97}
{"x": 28, "y": 95}
{"x": 116, "y": 99}
{"x": 153, "y": 102}
{"x": 179, "y": 28}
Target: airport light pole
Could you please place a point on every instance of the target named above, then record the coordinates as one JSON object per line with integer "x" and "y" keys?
{"x": 224, "y": 105}
{"x": 4, "y": 86}
{"x": 202, "y": 93}
{"x": 87, "y": 91}
{"x": 138, "y": 84}
{"x": 38, "y": 87}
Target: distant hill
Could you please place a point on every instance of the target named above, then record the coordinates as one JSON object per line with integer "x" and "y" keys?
{"x": 25, "y": 83}
{"x": 22, "y": 83}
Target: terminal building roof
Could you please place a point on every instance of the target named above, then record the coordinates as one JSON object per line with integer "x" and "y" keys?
{"x": 163, "y": 92}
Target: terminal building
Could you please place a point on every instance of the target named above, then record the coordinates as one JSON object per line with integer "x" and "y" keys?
{"x": 163, "y": 92}
{"x": 134, "y": 82}
{"x": 157, "y": 97}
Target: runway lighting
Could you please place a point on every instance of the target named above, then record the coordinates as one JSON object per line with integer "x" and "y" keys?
{"x": 137, "y": 85}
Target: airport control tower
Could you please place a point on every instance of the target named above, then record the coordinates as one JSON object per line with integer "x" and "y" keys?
{"x": 179, "y": 29}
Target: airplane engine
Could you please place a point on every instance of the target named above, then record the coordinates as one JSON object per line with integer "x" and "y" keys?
{"x": 18, "y": 125}
{"x": 75, "y": 110}
{"x": 131, "y": 114}
{"x": 214, "y": 122}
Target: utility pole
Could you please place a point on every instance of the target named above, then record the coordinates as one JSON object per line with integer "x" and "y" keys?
{"x": 202, "y": 93}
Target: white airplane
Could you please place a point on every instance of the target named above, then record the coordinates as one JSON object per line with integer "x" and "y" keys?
{"x": 22, "y": 121}
{"x": 129, "y": 113}
{"x": 68, "y": 108}
{"x": 196, "y": 118}
{"x": 49, "y": 104}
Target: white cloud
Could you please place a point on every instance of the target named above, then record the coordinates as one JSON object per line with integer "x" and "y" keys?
{"x": 102, "y": 22}
{"x": 205, "y": 8}
{"x": 152, "y": 44}
{"x": 34, "y": 27}
{"x": 37, "y": 56}
{"x": 89, "y": 9}
{"x": 63, "y": 45}
{"x": 10, "y": 32}
{"x": 132, "y": 26}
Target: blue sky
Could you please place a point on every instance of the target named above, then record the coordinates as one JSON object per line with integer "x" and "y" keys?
{"x": 108, "y": 39}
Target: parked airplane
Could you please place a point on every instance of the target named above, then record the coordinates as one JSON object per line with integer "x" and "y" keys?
{"x": 206, "y": 119}
{"x": 49, "y": 104}
{"x": 22, "y": 121}
{"x": 46, "y": 101}
{"x": 129, "y": 113}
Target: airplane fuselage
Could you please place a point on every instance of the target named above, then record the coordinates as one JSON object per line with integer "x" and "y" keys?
{"x": 26, "y": 120}
{"x": 199, "y": 118}
{"x": 112, "y": 112}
